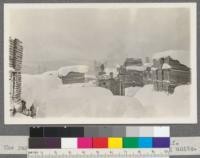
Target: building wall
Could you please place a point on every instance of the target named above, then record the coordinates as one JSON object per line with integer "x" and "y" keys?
{"x": 131, "y": 78}
{"x": 169, "y": 79}
{"x": 112, "y": 84}
{"x": 133, "y": 61}
{"x": 135, "y": 77}
{"x": 147, "y": 76}
{"x": 180, "y": 77}
{"x": 73, "y": 77}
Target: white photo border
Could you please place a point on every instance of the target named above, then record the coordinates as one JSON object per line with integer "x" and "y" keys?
{"x": 112, "y": 120}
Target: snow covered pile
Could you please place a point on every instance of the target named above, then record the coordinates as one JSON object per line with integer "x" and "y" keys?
{"x": 52, "y": 99}
{"x": 163, "y": 104}
{"x": 131, "y": 91}
{"x": 77, "y": 68}
{"x": 182, "y": 56}
{"x": 88, "y": 102}
{"x": 37, "y": 86}
{"x": 51, "y": 73}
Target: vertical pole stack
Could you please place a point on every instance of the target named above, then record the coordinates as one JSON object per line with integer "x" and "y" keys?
{"x": 15, "y": 66}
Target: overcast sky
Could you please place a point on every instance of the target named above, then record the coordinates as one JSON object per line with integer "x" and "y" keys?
{"x": 69, "y": 36}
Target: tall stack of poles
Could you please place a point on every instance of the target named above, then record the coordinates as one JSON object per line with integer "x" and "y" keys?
{"x": 15, "y": 66}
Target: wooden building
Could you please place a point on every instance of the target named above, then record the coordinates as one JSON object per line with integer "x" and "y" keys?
{"x": 108, "y": 82}
{"x": 147, "y": 74}
{"x": 111, "y": 84}
{"x": 131, "y": 73}
{"x": 73, "y": 77}
{"x": 168, "y": 73}
{"x": 133, "y": 61}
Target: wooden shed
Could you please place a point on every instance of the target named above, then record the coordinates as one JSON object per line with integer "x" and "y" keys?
{"x": 73, "y": 77}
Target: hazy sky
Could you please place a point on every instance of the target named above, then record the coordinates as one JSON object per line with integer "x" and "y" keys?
{"x": 56, "y": 37}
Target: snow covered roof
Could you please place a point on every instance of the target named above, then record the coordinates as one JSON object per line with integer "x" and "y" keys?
{"x": 113, "y": 70}
{"x": 77, "y": 68}
{"x": 137, "y": 68}
{"x": 182, "y": 56}
{"x": 166, "y": 66}
{"x": 104, "y": 77}
{"x": 54, "y": 73}
{"x": 148, "y": 64}
{"x": 154, "y": 68}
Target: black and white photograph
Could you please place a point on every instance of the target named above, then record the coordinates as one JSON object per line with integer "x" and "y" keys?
{"x": 114, "y": 63}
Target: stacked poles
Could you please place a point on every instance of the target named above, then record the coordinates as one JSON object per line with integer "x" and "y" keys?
{"x": 15, "y": 64}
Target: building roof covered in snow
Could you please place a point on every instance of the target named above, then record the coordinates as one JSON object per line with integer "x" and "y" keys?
{"x": 133, "y": 61}
{"x": 166, "y": 66}
{"x": 182, "y": 56}
{"x": 148, "y": 64}
{"x": 136, "y": 68}
{"x": 77, "y": 68}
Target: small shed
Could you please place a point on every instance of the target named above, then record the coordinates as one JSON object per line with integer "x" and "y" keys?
{"x": 72, "y": 74}
{"x": 73, "y": 77}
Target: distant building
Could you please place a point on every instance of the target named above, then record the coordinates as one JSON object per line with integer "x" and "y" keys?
{"x": 168, "y": 73}
{"x": 110, "y": 83}
{"x": 131, "y": 73}
{"x": 73, "y": 77}
{"x": 15, "y": 65}
{"x": 147, "y": 75}
{"x": 102, "y": 70}
{"x": 73, "y": 74}
{"x": 133, "y": 61}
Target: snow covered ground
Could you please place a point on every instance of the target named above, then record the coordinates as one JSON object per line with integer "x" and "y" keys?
{"x": 53, "y": 99}
{"x": 131, "y": 91}
{"x": 37, "y": 86}
{"x": 163, "y": 104}
{"x": 87, "y": 101}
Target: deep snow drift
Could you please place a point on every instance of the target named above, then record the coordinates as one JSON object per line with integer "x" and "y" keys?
{"x": 53, "y": 99}
{"x": 131, "y": 91}
{"x": 163, "y": 104}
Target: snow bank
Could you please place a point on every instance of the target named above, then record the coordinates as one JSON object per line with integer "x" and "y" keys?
{"x": 86, "y": 84}
{"x": 88, "y": 102}
{"x": 77, "y": 68}
{"x": 51, "y": 73}
{"x": 52, "y": 99}
{"x": 180, "y": 55}
{"x": 37, "y": 86}
{"x": 131, "y": 91}
{"x": 163, "y": 104}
